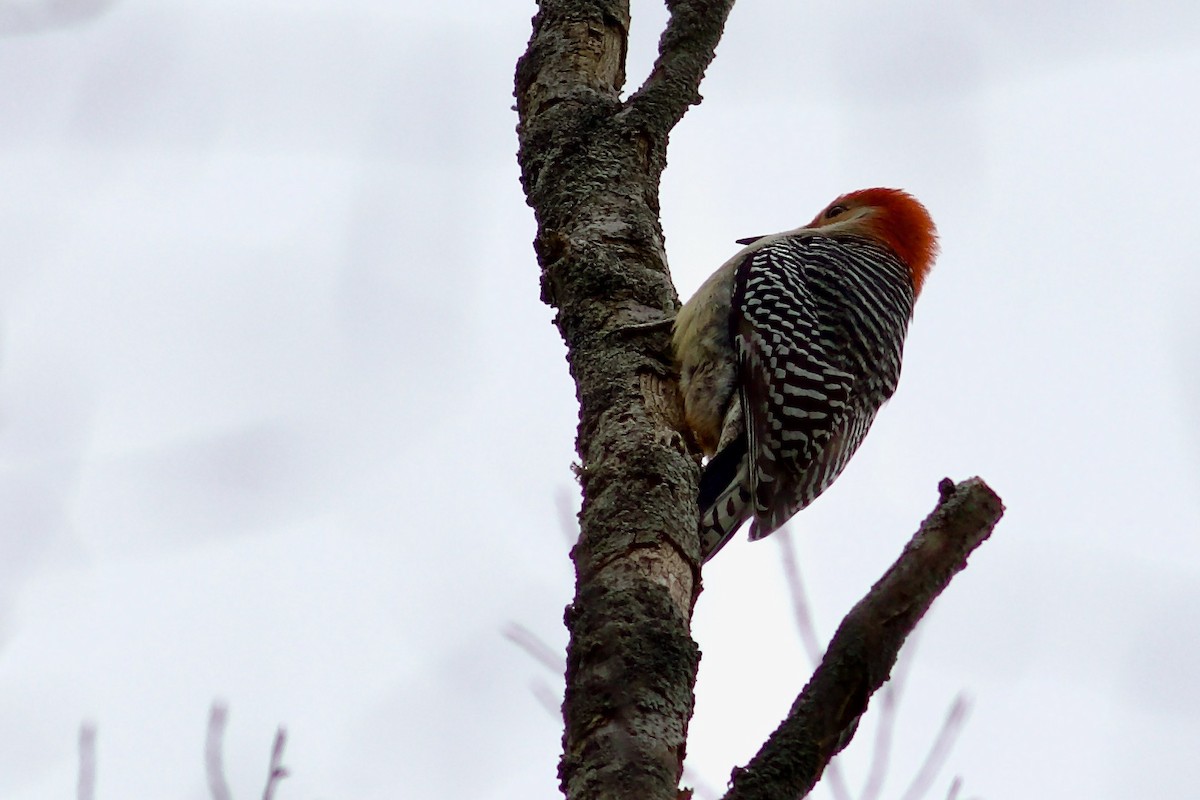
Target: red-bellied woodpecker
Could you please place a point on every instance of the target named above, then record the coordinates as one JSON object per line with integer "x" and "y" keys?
{"x": 788, "y": 351}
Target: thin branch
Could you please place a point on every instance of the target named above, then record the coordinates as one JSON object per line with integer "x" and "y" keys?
{"x": 806, "y": 626}
{"x": 940, "y": 750}
{"x": 890, "y": 696}
{"x": 277, "y": 770}
{"x": 213, "y": 767}
{"x": 534, "y": 647}
{"x": 86, "y": 789}
{"x": 542, "y": 653}
{"x": 547, "y": 698}
{"x": 866, "y": 645}
{"x": 881, "y": 753}
{"x": 568, "y": 515}
{"x": 835, "y": 782}
{"x": 801, "y": 609}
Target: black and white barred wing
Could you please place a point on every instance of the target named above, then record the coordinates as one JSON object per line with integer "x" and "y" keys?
{"x": 819, "y": 353}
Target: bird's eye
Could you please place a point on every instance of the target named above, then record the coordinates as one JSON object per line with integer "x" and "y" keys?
{"x": 834, "y": 211}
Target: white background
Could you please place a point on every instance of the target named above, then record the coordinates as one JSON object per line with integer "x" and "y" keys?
{"x": 283, "y": 422}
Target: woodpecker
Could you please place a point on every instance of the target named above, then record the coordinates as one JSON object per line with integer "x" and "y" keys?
{"x": 789, "y": 349}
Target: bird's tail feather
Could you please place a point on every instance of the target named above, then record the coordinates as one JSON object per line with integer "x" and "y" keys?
{"x": 724, "y": 497}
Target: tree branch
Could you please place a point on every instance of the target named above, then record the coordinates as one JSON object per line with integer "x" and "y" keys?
{"x": 685, "y": 50}
{"x": 863, "y": 651}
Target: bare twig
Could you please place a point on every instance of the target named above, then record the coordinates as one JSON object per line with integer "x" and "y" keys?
{"x": 568, "y": 516}
{"x": 547, "y": 698}
{"x": 955, "y": 788}
{"x": 213, "y": 767}
{"x": 835, "y": 781}
{"x": 534, "y": 647}
{"x": 277, "y": 771}
{"x": 866, "y": 645}
{"x": 885, "y": 729}
{"x": 940, "y": 749}
{"x": 86, "y": 789}
{"x": 881, "y": 754}
{"x": 806, "y": 626}
{"x": 801, "y": 610}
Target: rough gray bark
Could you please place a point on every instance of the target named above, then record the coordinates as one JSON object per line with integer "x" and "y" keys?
{"x": 590, "y": 168}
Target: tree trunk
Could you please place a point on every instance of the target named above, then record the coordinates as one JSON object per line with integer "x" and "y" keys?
{"x": 590, "y": 166}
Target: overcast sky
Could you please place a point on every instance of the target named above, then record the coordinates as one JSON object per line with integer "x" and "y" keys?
{"x": 284, "y": 423}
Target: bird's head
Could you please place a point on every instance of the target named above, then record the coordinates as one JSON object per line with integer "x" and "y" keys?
{"x": 891, "y": 216}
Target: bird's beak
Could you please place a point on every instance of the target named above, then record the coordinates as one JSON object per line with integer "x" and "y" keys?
{"x": 750, "y": 239}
